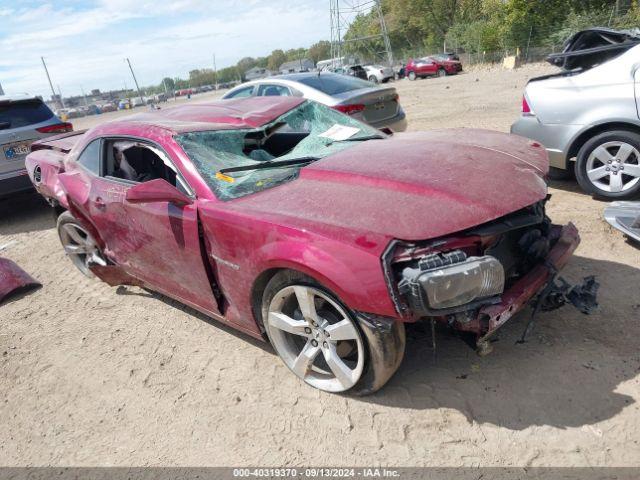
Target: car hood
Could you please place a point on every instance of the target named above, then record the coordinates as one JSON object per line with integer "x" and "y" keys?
{"x": 412, "y": 186}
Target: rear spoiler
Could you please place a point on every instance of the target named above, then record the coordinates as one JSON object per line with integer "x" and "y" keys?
{"x": 62, "y": 143}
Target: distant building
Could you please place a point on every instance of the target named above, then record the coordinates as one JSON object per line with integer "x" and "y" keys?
{"x": 295, "y": 66}
{"x": 257, "y": 72}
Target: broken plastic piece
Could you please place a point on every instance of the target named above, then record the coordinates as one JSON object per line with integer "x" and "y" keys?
{"x": 14, "y": 280}
{"x": 625, "y": 216}
{"x": 558, "y": 292}
{"x": 591, "y": 47}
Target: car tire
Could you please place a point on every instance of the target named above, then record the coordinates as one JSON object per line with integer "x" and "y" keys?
{"x": 365, "y": 350}
{"x": 78, "y": 244}
{"x": 412, "y": 76}
{"x": 373, "y": 79}
{"x": 608, "y": 165}
{"x": 442, "y": 72}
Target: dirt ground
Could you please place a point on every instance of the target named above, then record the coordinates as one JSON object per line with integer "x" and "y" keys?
{"x": 95, "y": 375}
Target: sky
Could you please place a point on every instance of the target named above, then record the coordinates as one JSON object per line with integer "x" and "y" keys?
{"x": 85, "y": 43}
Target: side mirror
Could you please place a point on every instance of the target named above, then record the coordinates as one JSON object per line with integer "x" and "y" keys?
{"x": 158, "y": 190}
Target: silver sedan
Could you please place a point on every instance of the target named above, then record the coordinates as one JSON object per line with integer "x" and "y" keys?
{"x": 588, "y": 121}
{"x": 378, "y": 106}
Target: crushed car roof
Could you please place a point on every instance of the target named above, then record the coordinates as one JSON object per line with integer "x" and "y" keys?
{"x": 591, "y": 47}
{"x": 233, "y": 113}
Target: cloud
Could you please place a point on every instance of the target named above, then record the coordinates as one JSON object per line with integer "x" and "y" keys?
{"x": 85, "y": 44}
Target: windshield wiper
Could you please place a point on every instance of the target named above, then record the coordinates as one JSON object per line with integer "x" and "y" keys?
{"x": 357, "y": 139}
{"x": 270, "y": 164}
{"x": 362, "y": 139}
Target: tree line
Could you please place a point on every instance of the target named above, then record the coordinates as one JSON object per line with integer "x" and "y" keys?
{"x": 421, "y": 27}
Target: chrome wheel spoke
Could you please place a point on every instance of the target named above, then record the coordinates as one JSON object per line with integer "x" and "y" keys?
{"x": 343, "y": 373}
{"x": 624, "y": 152}
{"x": 72, "y": 249}
{"x": 284, "y": 322}
{"x": 97, "y": 259}
{"x": 298, "y": 342}
{"x": 602, "y": 154}
{"x": 615, "y": 182}
{"x": 303, "y": 362}
{"x": 74, "y": 234}
{"x": 343, "y": 330}
{"x": 605, "y": 171}
{"x": 306, "y": 301}
{"x": 597, "y": 173}
{"x": 631, "y": 170}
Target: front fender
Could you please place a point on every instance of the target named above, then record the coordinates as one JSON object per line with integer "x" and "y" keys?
{"x": 354, "y": 275}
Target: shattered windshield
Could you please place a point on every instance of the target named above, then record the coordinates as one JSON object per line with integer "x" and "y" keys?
{"x": 277, "y": 150}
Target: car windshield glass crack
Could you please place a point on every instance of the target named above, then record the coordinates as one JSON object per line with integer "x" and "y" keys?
{"x": 296, "y": 134}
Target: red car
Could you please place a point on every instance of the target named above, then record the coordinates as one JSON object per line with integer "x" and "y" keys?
{"x": 295, "y": 223}
{"x": 432, "y": 66}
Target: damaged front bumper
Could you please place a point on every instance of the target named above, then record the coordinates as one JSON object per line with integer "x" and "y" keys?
{"x": 540, "y": 285}
{"x": 491, "y": 317}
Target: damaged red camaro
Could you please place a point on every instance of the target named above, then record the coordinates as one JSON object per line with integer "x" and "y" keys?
{"x": 298, "y": 224}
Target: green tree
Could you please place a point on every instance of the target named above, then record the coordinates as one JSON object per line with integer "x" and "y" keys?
{"x": 319, "y": 51}
{"x": 276, "y": 59}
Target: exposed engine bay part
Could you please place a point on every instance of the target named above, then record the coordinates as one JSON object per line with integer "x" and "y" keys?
{"x": 625, "y": 216}
{"x": 558, "y": 293}
{"x": 591, "y": 47}
{"x": 14, "y": 280}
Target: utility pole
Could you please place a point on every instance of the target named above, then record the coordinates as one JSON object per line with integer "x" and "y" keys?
{"x": 385, "y": 34}
{"x": 215, "y": 71}
{"x": 1, "y": 91}
{"x": 60, "y": 96}
{"x": 86, "y": 103}
{"x": 53, "y": 92}
{"x": 135, "y": 80}
{"x": 342, "y": 13}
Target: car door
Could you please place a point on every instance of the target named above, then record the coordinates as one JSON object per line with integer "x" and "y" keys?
{"x": 428, "y": 67}
{"x": 156, "y": 242}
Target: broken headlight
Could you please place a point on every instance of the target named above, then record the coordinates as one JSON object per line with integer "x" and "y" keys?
{"x": 443, "y": 281}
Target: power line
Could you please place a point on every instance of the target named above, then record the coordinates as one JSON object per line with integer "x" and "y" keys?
{"x": 342, "y": 13}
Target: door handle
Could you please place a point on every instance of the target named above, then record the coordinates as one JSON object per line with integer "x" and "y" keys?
{"x": 100, "y": 203}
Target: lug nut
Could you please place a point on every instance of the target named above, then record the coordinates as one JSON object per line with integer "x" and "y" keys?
{"x": 608, "y": 161}
{"x": 621, "y": 167}
{"x": 314, "y": 343}
{"x": 325, "y": 344}
{"x": 607, "y": 169}
{"x": 307, "y": 330}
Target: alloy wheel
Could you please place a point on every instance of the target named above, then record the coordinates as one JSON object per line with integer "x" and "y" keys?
{"x": 316, "y": 338}
{"x": 81, "y": 248}
{"x": 614, "y": 167}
